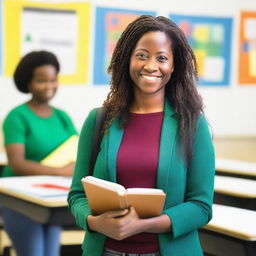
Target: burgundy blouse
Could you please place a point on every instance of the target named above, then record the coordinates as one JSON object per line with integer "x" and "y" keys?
{"x": 137, "y": 163}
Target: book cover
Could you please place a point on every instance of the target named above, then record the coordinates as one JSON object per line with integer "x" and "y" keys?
{"x": 64, "y": 154}
{"x": 105, "y": 196}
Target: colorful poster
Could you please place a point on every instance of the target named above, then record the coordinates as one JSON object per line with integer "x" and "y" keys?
{"x": 247, "y": 48}
{"x": 210, "y": 38}
{"x": 62, "y": 28}
{"x": 110, "y": 23}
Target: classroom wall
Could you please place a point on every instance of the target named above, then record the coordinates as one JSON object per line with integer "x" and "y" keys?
{"x": 231, "y": 110}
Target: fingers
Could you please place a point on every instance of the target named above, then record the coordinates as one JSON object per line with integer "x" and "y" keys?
{"x": 122, "y": 218}
{"x": 132, "y": 212}
{"x": 117, "y": 224}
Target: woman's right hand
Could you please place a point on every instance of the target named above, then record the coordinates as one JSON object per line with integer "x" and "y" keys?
{"x": 67, "y": 170}
{"x": 22, "y": 166}
{"x": 109, "y": 223}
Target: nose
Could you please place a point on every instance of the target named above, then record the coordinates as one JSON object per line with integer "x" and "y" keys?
{"x": 151, "y": 65}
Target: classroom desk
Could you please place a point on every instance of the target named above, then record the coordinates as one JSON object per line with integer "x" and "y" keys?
{"x": 232, "y": 231}
{"x": 238, "y": 192}
{"x": 235, "y": 147}
{"x": 231, "y": 167}
{"x": 24, "y": 195}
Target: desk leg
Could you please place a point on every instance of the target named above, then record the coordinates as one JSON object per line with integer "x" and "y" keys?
{"x": 250, "y": 249}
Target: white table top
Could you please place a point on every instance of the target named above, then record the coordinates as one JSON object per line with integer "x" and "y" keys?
{"x": 235, "y": 186}
{"x": 232, "y": 221}
{"x": 50, "y": 191}
{"x": 235, "y": 166}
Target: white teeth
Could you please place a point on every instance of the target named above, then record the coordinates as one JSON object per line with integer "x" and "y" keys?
{"x": 151, "y": 78}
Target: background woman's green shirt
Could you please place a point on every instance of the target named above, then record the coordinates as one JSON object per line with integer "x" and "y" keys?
{"x": 40, "y": 136}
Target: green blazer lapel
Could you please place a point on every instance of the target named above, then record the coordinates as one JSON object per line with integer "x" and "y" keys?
{"x": 168, "y": 136}
{"x": 115, "y": 138}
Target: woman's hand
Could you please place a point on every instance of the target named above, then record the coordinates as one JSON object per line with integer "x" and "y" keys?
{"x": 116, "y": 224}
{"x": 125, "y": 223}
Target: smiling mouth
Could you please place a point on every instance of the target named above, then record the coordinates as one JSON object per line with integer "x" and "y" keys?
{"x": 49, "y": 92}
{"x": 151, "y": 78}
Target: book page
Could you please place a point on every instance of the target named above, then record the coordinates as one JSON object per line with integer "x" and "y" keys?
{"x": 144, "y": 191}
{"x": 105, "y": 184}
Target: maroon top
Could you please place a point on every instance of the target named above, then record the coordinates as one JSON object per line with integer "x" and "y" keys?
{"x": 137, "y": 163}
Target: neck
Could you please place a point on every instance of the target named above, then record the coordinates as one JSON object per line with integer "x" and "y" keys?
{"x": 149, "y": 104}
{"x": 42, "y": 109}
{"x": 37, "y": 104}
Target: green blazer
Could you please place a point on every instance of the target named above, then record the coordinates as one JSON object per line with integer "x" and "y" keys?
{"x": 189, "y": 190}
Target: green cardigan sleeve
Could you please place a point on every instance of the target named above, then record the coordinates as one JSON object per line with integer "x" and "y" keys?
{"x": 196, "y": 210}
{"x": 76, "y": 198}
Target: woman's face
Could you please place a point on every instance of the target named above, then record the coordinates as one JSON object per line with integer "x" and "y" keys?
{"x": 151, "y": 63}
{"x": 44, "y": 83}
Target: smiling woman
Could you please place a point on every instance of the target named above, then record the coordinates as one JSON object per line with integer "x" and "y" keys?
{"x": 155, "y": 136}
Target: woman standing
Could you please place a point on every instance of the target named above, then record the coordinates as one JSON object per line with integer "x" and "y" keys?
{"x": 31, "y": 131}
{"x": 155, "y": 137}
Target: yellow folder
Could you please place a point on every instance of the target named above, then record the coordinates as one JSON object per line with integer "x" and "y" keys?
{"x": 64, "y": 154}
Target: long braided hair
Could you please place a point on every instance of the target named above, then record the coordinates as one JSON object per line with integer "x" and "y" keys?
{"x": 180, "y": 90}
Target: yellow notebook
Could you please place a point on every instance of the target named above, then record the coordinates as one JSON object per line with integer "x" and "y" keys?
{"x": 64, "y": 154}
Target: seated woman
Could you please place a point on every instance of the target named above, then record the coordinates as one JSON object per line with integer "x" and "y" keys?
{"x": 32, "y": 130}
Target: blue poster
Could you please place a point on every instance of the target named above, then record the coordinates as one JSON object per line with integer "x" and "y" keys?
{"x": 210, "y": 38}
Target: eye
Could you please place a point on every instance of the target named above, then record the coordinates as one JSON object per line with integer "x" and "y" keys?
{"x": 142, "y": 56}
{"x": 162, "y": 58}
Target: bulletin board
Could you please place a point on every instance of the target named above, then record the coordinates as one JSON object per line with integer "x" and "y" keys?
{"x": 247, "y": 48}
{"x": 110, "y": 23}
{"x": 63, "y": 28}
{"x": 210, "y": 38}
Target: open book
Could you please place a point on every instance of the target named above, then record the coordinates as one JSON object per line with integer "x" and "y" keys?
{"x": 104, "y": 196}
{"x": 64, "y": 154}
